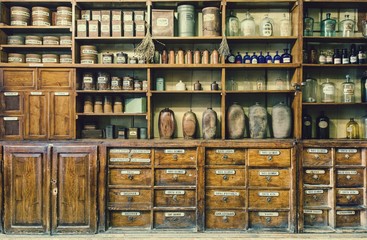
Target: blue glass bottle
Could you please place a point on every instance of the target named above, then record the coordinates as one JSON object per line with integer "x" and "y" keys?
{"x": 277, "y": 58}
{"x": 268, "y": 58}
{"x": 246, "y": 58}
{"x": 261, "y": 58}
{"x": 286, "y": 57}
{"x": 238, "y": 58}
{"x": 230, "y": 58}
{"x": 254, "y": 58}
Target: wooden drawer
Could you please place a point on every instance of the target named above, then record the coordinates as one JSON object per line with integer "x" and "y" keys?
{"x": 221, "y": 156}
{"x": 348, "y": 218}
{"x": 269, "y": 157}
{"x": 349, "y": 177}
{"x": 316, "y": 176}
{"x": 56, "y": 79}
{"x": 130, "y": 219}
{"x": 349, "y": 196}
{"x": 174, "y": 220}
{"x": 130, "y": 198}
{"x": 225, "y": 220}
{"x": 18, "y": 78}
{"x": 132, "y": 177}
{"x": 269, "y": 178}
{"x": 175, "y": 198}
{"x": 266, "y": 199}
{"x": 125, "y": 156}
{"x": 223, "y": 199}
{"x": 316, "y": 218}
{"x": 175, "y": 156}
{"x": 316, "y": 198}
{"x": 348, "y": 156}
{"x": 317, "y": 157}
{"x": 11, "y": 128}
{"x": 225, "y": 177}
{"x": 11, "y": 103}
{"x": 261, "y": 220}
{"x": 175, "y": 177}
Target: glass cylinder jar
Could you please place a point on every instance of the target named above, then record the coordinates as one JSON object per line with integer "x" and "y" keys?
{"x": 309, "y": 92}
{"x": 248, "y": 26}
{"x": 352, "y": 129}
{"x": 232, "y": 25}
{"x": 327, "y": 92}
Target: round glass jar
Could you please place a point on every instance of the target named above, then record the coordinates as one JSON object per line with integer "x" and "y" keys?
{"x": 121, "y": 58}
{"x": 103, "y": 81}
{"x": 16, "y": 58}
{"x": 33, "y": 40}
{"x": 137, "y": 85}
{"x": 15, "y": 40}
{"x": 33, "y": 58}
{"x": 116, "y": 83}
{"x": 128, "y": 83}
{"x": 51, "y": 40}
{"x": 89, "y": 81}
{"x": 50, "y": 58}
{"x": 107, "y": 58}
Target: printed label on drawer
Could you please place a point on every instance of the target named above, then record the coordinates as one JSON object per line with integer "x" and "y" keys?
{"x": 348, "y": 192}
{"x": 224, "y": 214}
{"x": 133, "y": 172}
{"x": 226, "y": 193}
{"x": 268, "y": 214}
{"x": 36, "y": 65}
{"x": 36, "y": 93}
{"x": 129, "y": 193}
{"x": 10, "y": 118}
{"x": 345, "y": 212}
{"x": 140, "y": 160}
{"x": 119, "y": 159}
{"x": 119, "y": 151}
{"x": 318, "y": 212}
{"x": 174, "y": 192}
{"x": 345, "y": 150}
{"x": 140, "y": 150}
{"x": 315, "y": 171}
{"x": 10, "y": 94}
{"x": 174, "y": 214}
{"x": 175, "y": 171}
{"x": 268, "y": 194}
{"x": 269, "y": 173}
{"x": 317, "y": 150}
{"x": 62, "y": 94}
{"x": 130, "y": 213}
{"x": 222, "y": 172}
{"x": 349, "y": 172}
{"x": 225, "y": 151}
{"x": 269, "y": 152}
{"x": 174, "y": 151}
{"x": 314, "y": 191}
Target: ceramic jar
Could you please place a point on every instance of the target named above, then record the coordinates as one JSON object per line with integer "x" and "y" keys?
{"x": 258, "y": 121}
{"x": 235, "y": 121}
{"x": 209, "y": 124}
{"x": 281, "y": 120}
{"x": 189, "y": 125}
{"x": 180, "y": 86}
{"x": 166, "y": 124}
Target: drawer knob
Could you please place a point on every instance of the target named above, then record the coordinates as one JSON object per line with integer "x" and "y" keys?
{"x": 348, "y": 177}
{"x": 316, "y": 156}
{"x": 225, "y": 177}
{"x": 174, "y": 198}
{"x": 225, "y": 157}
{"x": 175, "y": 178}
{"x": 175, "y": 157}
{"x": 225, "y": 199}
{"x": 315, "y": 177}
{"x": 316, "y": 198}
{"x": 349, "y": 198}
{"x": 268, "y": 199}
{"x": 270, "y": 158}
{"x": 131, "y": 177}
{"x": 130, "y": 199}
{"x": 347, "y": 156}
{"x": 225, "y": 219}
{"x": 130, "y": 218}
{"x": 313, "y": 219}
{"x": 268, "y": 219}
{"x": 268, "y": 178}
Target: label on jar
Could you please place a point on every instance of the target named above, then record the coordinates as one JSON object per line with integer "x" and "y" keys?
{"x": 226, "y": 151}
{"x": 129, "y": 193}
{"x": 225, "y": 172}
{"x": 14, "y": 41}
{"x": 121, "y": 59}
{"x": 276, "y": 61}
{"x": 175, "y": 171}
{"x": 93, "y": 28}
{"x": 133, "y": 133}
{"x": 87, "y": 80}
{"x": 315, "y": 171}
{"x": 107, "y": 59}
{"x": 353, "y": 59}
{"x": 65, "y": 42}
{"x": 10, "y": 118}
{"x": 322, "y": 59}
{"x": 128, "y": 28}
{"x": 286, "y": 60}
{"x": 120, "y": 151}
{"x": 348, "y": 89}
{"x": 132, "y": 172}
{"x": 348, "y": 192}
{"x": 115, "y": 83}
{"x": 119, "y": 159}
{"x": 268, "y": 194}
{"x": 162, "y": 22}
{"x": 20, "y": 12}
{"x": 345, "y": 212}
{"x": 116, "y": 17}
{"x": 209, "y": 17}
{"x": 50, "y": 42}
{"x": 102, "y": 80}
{"x": 174, "y": 214}
{"x": 130, "y": 213}
{"x": 87, "y": 61}
{"x": 82, "y": 28}
{"x": 268, "y": 214}
{"x": 105, "y": 17}
{"x": 40, "y": 12}
{"x": 105, "y": 28}
{"x": 140, "y": 160}
{"x": 128, "y": 17}
{"x": 269, "y": 152}
{"x": 220, "y": 193}
{"x": 62, "y": 94}
{"x": 18, "y": 23}
{"x": 66, "y": 60}
{"x": 328, "y": 90}
{"x": 307, "y": 123}
{"x": 64, "y": 12}
{"x": 139, "y": 17}
{"x": 317, "y": 150}
{"x": 316, "y": 212}
{"x": 40, "y": 23}
{"x": 63, "y": 23}
{"x": 224, "y": 214}
{"x": 174, "y": 192}
{"x": 347, "y": 150}
{"x": 89, "y": 51}
{"x": 174, "y": 151}
{"x": 323, "y": 124}
{"x": 11, "y": 94}
{"x": 268, "y": 173}
{"x": 33, "y": 42}
{"x": 140, "y": 151}
{"x": 116, "y": 28}
{"x": 350, "y": 172}
{"x": 49, "y": 60}
{"x": 15, "y": 59}
{"x": 314, "y": 191}
{"x": 140, "y": 28}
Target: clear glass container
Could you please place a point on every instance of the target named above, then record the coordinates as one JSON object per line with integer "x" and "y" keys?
{"x": 248, "y": 26}
{"x": 232, "y": 25}
{"x": 348, "y": 90}
{"x": 308, "y": 23}
{"x": 309, "y": 92}
{"x": 328, "y": 26}
{"x": 285, "y": 26}
{"x": 279, "y": 83}
{"x": 364, "y": 27}
{"x": 329, "y": 57}
{"x": 327, "y": 92}
{"x": 266, "y": 27}
{"x": 364, "y": 126}
{"x": 322, "y": 57}
{"x": 352, "y": 129}
{"x": 346, "y": 26}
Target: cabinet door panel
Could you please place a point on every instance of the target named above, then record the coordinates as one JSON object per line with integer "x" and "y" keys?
{"x": 62, "y": 115}
{"x": 36, "y": 115}
{"x": 26, "y": 184}
{"x": 11, "y": 103}
{"x": 74, "y": 189}
{"x": 56, "y": 78}
{"x": 11, "y": 128}
{"x": 18, "y": 78}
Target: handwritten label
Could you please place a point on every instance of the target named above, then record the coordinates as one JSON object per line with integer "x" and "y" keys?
{"x": 226, "y": 193}
{"x": 268, "y": 214}
{"x": 317, "y": 150}
{"x": 317, "y": 212}
{"x": 10, "y": 118}
{"x": 11, "y": 94}
{"x": 315, "y": 171}
{"x": 174, "y": 151}
{"x": 224, "y": 214}
{"x": 119, "y": 159}
{"x": 140, "y": 160}
{"x": 347, "y": 150}
{"x": 269, "y": 173}
{"x": 129, "y": 193}
{"x": 130, "y": 213}
{"x": 348, "y": 192}
{"x": 314, "y": 191}
{"x": 226, "y": 172}
{"x": 119, "y": 151}
{"x": 36, "y": 64}
{"x": 140, "y": 151}
{"x": 174, "y": 192}
{"x": 345, "y": 212}
{"x": 175, "y": 171}
{"x": 227, "y": 151}
{"x": 269, "y": 152}
{"x": 347, "y": 172}
{"x": 36, "y": 93}
{"x": 62, "y": 94}
{"x": 174, "y": 214}
{"x": 130, "y": 172}
{"x": 268, "y": 194}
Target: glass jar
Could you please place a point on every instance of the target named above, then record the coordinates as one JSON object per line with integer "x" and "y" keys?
{"x": 352, "y": 129}
{"x": 327, "y": 92}
{"x": 348, "y": 90}
{"x": 266, "y": 27}
{"x": 309, "y": 92}
{"x": 285, "y": 26}
{"x": 248, "y": 26}
{"x": 232, "y": 25}
{"x": 103, "y": 81}
{"x": 364, "y": 27}
{"x": 308, "y": 25}
{"x": 364, "y": 126}
{"x": 328, "y": 26}
{"x": 346, "y": 26}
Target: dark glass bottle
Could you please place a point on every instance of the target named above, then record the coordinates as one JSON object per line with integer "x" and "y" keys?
{"x": 230, "y": 58}
{"x": 306, "y": 126}
{"x": 345, "y": 57}
{"x": 286, "y": 57}
{"x": 268, "y": 58}
{"x": 364, "y": 87}
{"x": 361, "y": 55}
{"x": 336, "y": 57}
{"x": 246, "y": 58}
{"x": 277, "y": 58}
{"x": 353, "y": 57}
{"x": 261, "y": 58}
{"x": 238, "y": 58}
{"x": 254, "y": 58}
{"x": 322, "y": 126}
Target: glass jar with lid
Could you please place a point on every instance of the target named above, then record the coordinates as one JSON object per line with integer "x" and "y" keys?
{"x": 248, "y": 26}
{"x": 309, "y": 92}
{"x": 327, "y": 92}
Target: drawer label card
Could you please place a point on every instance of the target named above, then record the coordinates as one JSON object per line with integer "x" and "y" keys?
{"x": 11, "y": 94}
{"x": 140, "y": 150}
{"x": 130, "y": 213}
{"x": 140, "y": 160}
{"x": 119, "y": 151}
{"x": 347, "y": 150}
{"x": 315, "y": 171}
{"x": 119, "y": 159}
{"x": 268, "y": 194}
{"x": 224, "y": 214}
{"x": 225, "y": 172}
{"x": 312, "y": 211}
{"x": 175, "y": 171}
{"x": 317, "y": 150}
{"x": 269, "y": 152}
{"x": 349, "y": 172}
{"x": 132, "y": 172}
{"x": 36, "y": 93}
{"x": 348, "y": 192}
{"x": 62, "y": 94}
{"x": 174, "y": 151}
{"x": 225, "y": 151}
{"x": 174, "y": 192}
{"x": 268, "y": 173}
{"x": 314, "y": 191}
{"x": 36, "y": 64}
{"x": 226, "y": 193}
{"x": 10, "y": 118}
{"x": 174, "y": 214}
{"x": 268, "y": 214}
{"x": 345, "y": 212}
{"x": 129, "y": 193}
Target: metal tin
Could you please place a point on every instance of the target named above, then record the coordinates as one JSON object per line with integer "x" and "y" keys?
{"x": 65, "y": 40}
{"x": 40, "y": 12}
{"x": 180, "y": 57}
{"x": 145, "y": 85}
{"x": 88, "y": 50}
{"x": 107, "y": 58}
{"x": 19, "y": 16}
{"x": 33, "y": 58}
{"x": 51, "y": 40}
{"x": 16, "y": 58}
{"x": 64, "y": 11}
{"x": 128, "y": 83}
{"x": 19, "y": 21}
{"x": 116, "y": 83}
{"x": 211, "y": 21}
{"x": 40, "y": 21}
{"x": 33, "y": 40}
{"x": 205, "y": 57}
{"x": 66, "y": 59}
{"x": 121, "y": 58}
{"x": 137, "y": 85}
{"x": 15, "y": 40}
{"x": 50, "y": 58}
{"x": 89, "y": 81}
{"x": 186, "y": 20}
{"x": 103, "y": 81}
{"x": 88, "y": 59}
{"x": 143, "y": 133}
{"x": 160, "y": 84}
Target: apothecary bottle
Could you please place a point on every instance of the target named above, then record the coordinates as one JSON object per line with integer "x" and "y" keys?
{"x": 353, "y": 56}
{"x": 248, "y": 26}
{"x": 327, "y": 92}
{"x": 261, "y": 58}
{"x": 231, "y": 58}
{"x": 277, "y": 58}
{"x": 306, "y": 126}
{"x": 361, "y": 55}
{"x": 329, "y": 57}
{"x": 308, "y": 23}
{"x": 346, "y": 26}
{"x": 364, "y": 126}
{"x": 322, "y": 57}
{"x": 254, "y": 58}
{"x": 246, "y": 58}
{"x": 364, "y": 27}
{"x": 266, "y": 27}
{"x": 309, "y": 92}
{"x": 337, "y": 59}
{"x": 345, "y": 56}
{"x": 238, "y": 58}
{"x": 286, "y": 57}
{"x": 268, "y": 58}
{"x": 281, "y": 116}
{"x": 364, "y": 87}
{"x": 322, "y": 126}
{"x": 285, "y": 26}
{"x": 352, "y": 129}
{"x": 232, "y": 25}
{"x": 348, "y": 90}
{"x": 328, "y": 26}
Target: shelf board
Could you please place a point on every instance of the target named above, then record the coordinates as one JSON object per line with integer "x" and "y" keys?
{"x": 336, "y": 40}
{"x": 111, "y": 4}
{"x": 259, "y": 91}
{"x": 111, "y": 114}
{"x": 257, "y": 39}
{"x": 111, "y": 91}
{"x": 119, "y": 66}
{"x": 7, "y": 46}
{"x": 334, "y": 4}
{"x": 186, "y": 92}
{"x": 37, "y": 1}
{"x": 334, "y": 104}
{"x": 37, "y": 29}
{"x": 22, "y": 65}
{"x": 334, "y": 65}
{"x": 106, "y": 40}
{"x": 263, "y": 65}
{"x": 260, "y": 3}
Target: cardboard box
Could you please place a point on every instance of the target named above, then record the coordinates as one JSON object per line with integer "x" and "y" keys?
{"x": 96, "y": 15}
{"x": 129, "y": 29}
{"x": 116, "y": 28}
{"x": 105, "y": 15}
{"x": 105, "y": 28}
{"x": 139, "y": 16}
{"x": 162, "y": 23}
{"x": 93, "y": 28}
{"x": 136, "y": 105}
{"x": 133, "y": 133}
{"x": 82, "y": 28}
{"x": 86, "y": 15}
{"x": 116, "y": 15}
{"x": 128, "y": 16}
{"x": 140, "y": 28}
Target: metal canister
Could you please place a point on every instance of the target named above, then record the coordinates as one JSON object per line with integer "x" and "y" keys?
{"x": 33, "y": 40}
{"x": 63, "y": 16}
{"x": 50, "y": 58}
{"x": 33, "y": 58}
{"x": 214, "y": 57}
{"x": 88, "y": 59}
{"x": 66, "y": 59}
{"x": 107, "y": 58}
{"x": 145, "y": 85}
{"x": 143, "y": 133}
{"x": 16, "y": 58}
{"x": 51, "y": 40}
{"x": 15, "y": 40}
{"x": 19, "y": 16}
{"x": 128, "y": 83}
{"x": 186, "y": 20}
{"x": 88, "y": 49}
{"x": 205, "y": 57}
{"x": 116, "y": 83}
{"x": 188, "y": 57}
{"x": 103, "y": 81}
{"x": 41, "y": 16}
{"x": 211, "y": 21}
{"x": 171, "y": 57}
{"x": 88, "y": 54}
{"x": 40, "y": 21}
{"x": 89, "y": 82}
{"x": 180, "y": 57}
{"x": 197, "y": 57}
{"x": 121, "y": 58}
{"x": 65, "y": 40}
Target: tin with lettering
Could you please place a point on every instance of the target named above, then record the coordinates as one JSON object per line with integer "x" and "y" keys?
{"x": 133, "y": 60}
{"x": 33, "y": 58}
{"x": 19, "y": 16}
{"x": 103, "y": 81}
{"x": 51, "y": 40}
{"x": 50, "y": 58}
{"x": 15, "y": 40}
{"x": 211, "y": 21}
{"x": 121, "y": 58}
{"x": 33, "y": 40}
{"x": 89, "y": 81}
{"x": 16, "y": 58}
{"x": 66, "y": 59}
{"x": 145, "y": 85}
{"x": 65, "y": 40}
{"x": 186, "y": 20}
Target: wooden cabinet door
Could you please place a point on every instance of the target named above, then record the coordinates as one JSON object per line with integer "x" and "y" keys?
{"x": 74, "y": 189}
{"x": 36, "y": 115}
{"x": 56, "y": 78}
{"x": 62, "y": 115}
{"x": 17, "y": 78}
{"x": 26, "y": 189}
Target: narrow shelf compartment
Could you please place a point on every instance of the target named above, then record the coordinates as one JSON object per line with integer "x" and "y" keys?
{"x": 309, "y": 65}
{"x": 111, "y": 114}
{"x": 6, "y": 46}
{"x": 108, "y": 40}
{"x": 36, "y": 29}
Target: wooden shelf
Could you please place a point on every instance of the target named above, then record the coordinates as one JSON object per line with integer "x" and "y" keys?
{"x": 261, "y": 3}
{"x": 334, "y": 104}
{"x": 260, "y": 39}
{"x": 112, "y": 91}
{"x": 260, "y": 91}
{"x": 7, "y": 46}
{"x": 187, "y": 91}
{"x": 308, "y": 65}
{"x": 36, "y": 29}
{"x": 51, "y": 65}
{"x": 111, "y": 114}
{"x": 336, "y": 40}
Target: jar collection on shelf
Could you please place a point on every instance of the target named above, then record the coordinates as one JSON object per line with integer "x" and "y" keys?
{"x": 38, "y": 40}
{"x": 104, "y": 81}
{"x": 103, "y": 104}
{"x": 336, "y": 56}
{"x": 286, "y": 57}
{"x": 39, "y": 58}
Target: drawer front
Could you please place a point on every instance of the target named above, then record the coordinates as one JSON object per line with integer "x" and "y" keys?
{"x": 17, "y": 79}
{"x": 221, "y": 156}
{"x": 223, "y": 199}
{"x": 228, "y": 219}
{"x": 175, "y": 220}
{"x": 269, "y": 178}
{"x": 11, "y": 103}
{"x": 56, "y": 78}
{"x": 127, "y": 198}
{"x": 175, "y": 177}
{"x": 349, "y": 197}
{"x": 11, "y": 128}
{"x": 316, "y": 198}
{"x": 130, "y": 177}
{"x": 130, "y": 219}
{"x": 348, "y": 156}
{"x": 266, "y": 199}
{"x": 181, "y": 156}
{"x": 316, "y": 176}
{"x": 175, "y": 198}
{"x": 316, "y": 218}
{"x": 260, "y": 220}
{"x": 125, "y": 156}
{"x": 269, "y": 157}
{"x": 225, "y": 177}
{"x": 348, "y": 218}
{"x": 317, "y": 157}
{"x": 349, "y": 177}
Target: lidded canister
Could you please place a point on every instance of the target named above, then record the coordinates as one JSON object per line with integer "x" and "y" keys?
{"x": 66, "y": 59}
{"x": 127, "y": 83}
{"x": 211, "y": 21}
{"x": 88, "y": 104}
{"x": 41, "y": 16}
{"x": 63, "y": 16}
{"x": 188, "y": 57}
{"x": 186, "y": 20}
{"x": 15, "y": 40}
{"x": 197, "y": 57}
{"x": 65, "y": 40}
{"x": 205, "y": 57}
{"x": 116, "y": 83}
{"x": 117, "y": 105}
{"x": 19, "y": 16}
{"x": 51, "y": 40}
{"x": 103, "y": 81}
{"x": 88, "y": 59}
{"x": 50, "y": 58}
{"x": 121, "y": 58}
{"x": 89, "y": 81}
{"x": 33, "y": 58}
{"x": 214, "y": 57}
{"x": 88, "y": 54}
{"x": 33, "y": 40}
{"x": 180, "y": 57}
{"x": 16, "y": 58}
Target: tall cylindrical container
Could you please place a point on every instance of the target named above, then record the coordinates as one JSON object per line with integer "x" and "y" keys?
{"x": 166, "y": 123}
{"x": 235, "y": 121}
{"x": 258, "y": 121}
{"x": 281, "y": 120}
{"x": 209, "y": 124}
{"x": 189, "y": 125}
{"x": 211, "y": 21}
{"x": 186, "y": 20}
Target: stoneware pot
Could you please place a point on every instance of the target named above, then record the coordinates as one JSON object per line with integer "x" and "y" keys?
{"x": 281, "y": 120}
{"x": 189, "y": 125}
{"x": 235, "y": 121}
{"x": 209, "y": 124}
{"x": 166, "y": 123}
{"x": 258, "y": 121}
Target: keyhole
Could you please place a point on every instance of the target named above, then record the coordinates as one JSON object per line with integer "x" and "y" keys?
{"x": 317, "y": 156}
{"x": 349, "y": 197}
{"x": 225, "y": 219}
{"x": 315, "y": 177}
{"x": 225, "y": 157}
{"x": 315, "y": 198}
{"x": 270, "y": 158}
{"x": 175, "y": 157}
{"x": 347, "y": 156}
{"x": 225, "y": 199}
{"x": 349, "y": 177}
{"x": 175, "y": 177}
{"x": 268, "y": 219}
{"x": 225, "y": 177}
{"x": 174, "y": 198}
{"x": 268, "y": 199}
{"x": 130, "y": 218}
{"x": 131, "y": 177}
{"x": 130, "y": 199}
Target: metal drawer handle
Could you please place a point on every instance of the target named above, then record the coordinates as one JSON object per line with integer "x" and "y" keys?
{"x": 270, "y": 158}
{"x": 225, "y": 199}
{"x": 130, "y": 218}
{"x": 175, "y": 157}
{"x": 317, "y": 157}
{"x": 316, "y": 198}
{"x": 225, "y": 177}
{"x": 174, "y": 198}
{"x": 313, "y": 219}
{"x": 268, "y": 219}
{"x": 175, "y": 177}
{"x": 225, "y": 219}
{"x": 347, "y": 156}
{"x": 349, "y": 198}
{"x": 224, "y": 157}
{"x": 348, "y": 177}
{"x": 268, "y": 199}
{"x": 268, "y": 178}
{"x": 130, "y": 199}
{"x": 131, "y": 177}
{"x": 315, "y": 177}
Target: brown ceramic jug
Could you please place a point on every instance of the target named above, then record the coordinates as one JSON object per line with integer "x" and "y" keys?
{"x": 166, "y": 123}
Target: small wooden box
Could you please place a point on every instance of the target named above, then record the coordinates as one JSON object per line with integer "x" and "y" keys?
{"x": 93, "y": 28}
{"x": 82, "y": 28}
{"x": 96, "y": 133}
{"x": 105, "y": 28}
{"x": 139, "y": 28}
{"x": 128, "y": 28}
{"x": 105, "y": 15}
{"x": 128, "y": 16}
{"x": 86, "y": 15}
{"x": 162, "y": 23}
{"x": 133, "y": 133}
{"x": 116, "y": 28}
{"x": 96, "y": 15}
{"x": 116, "y": 15}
